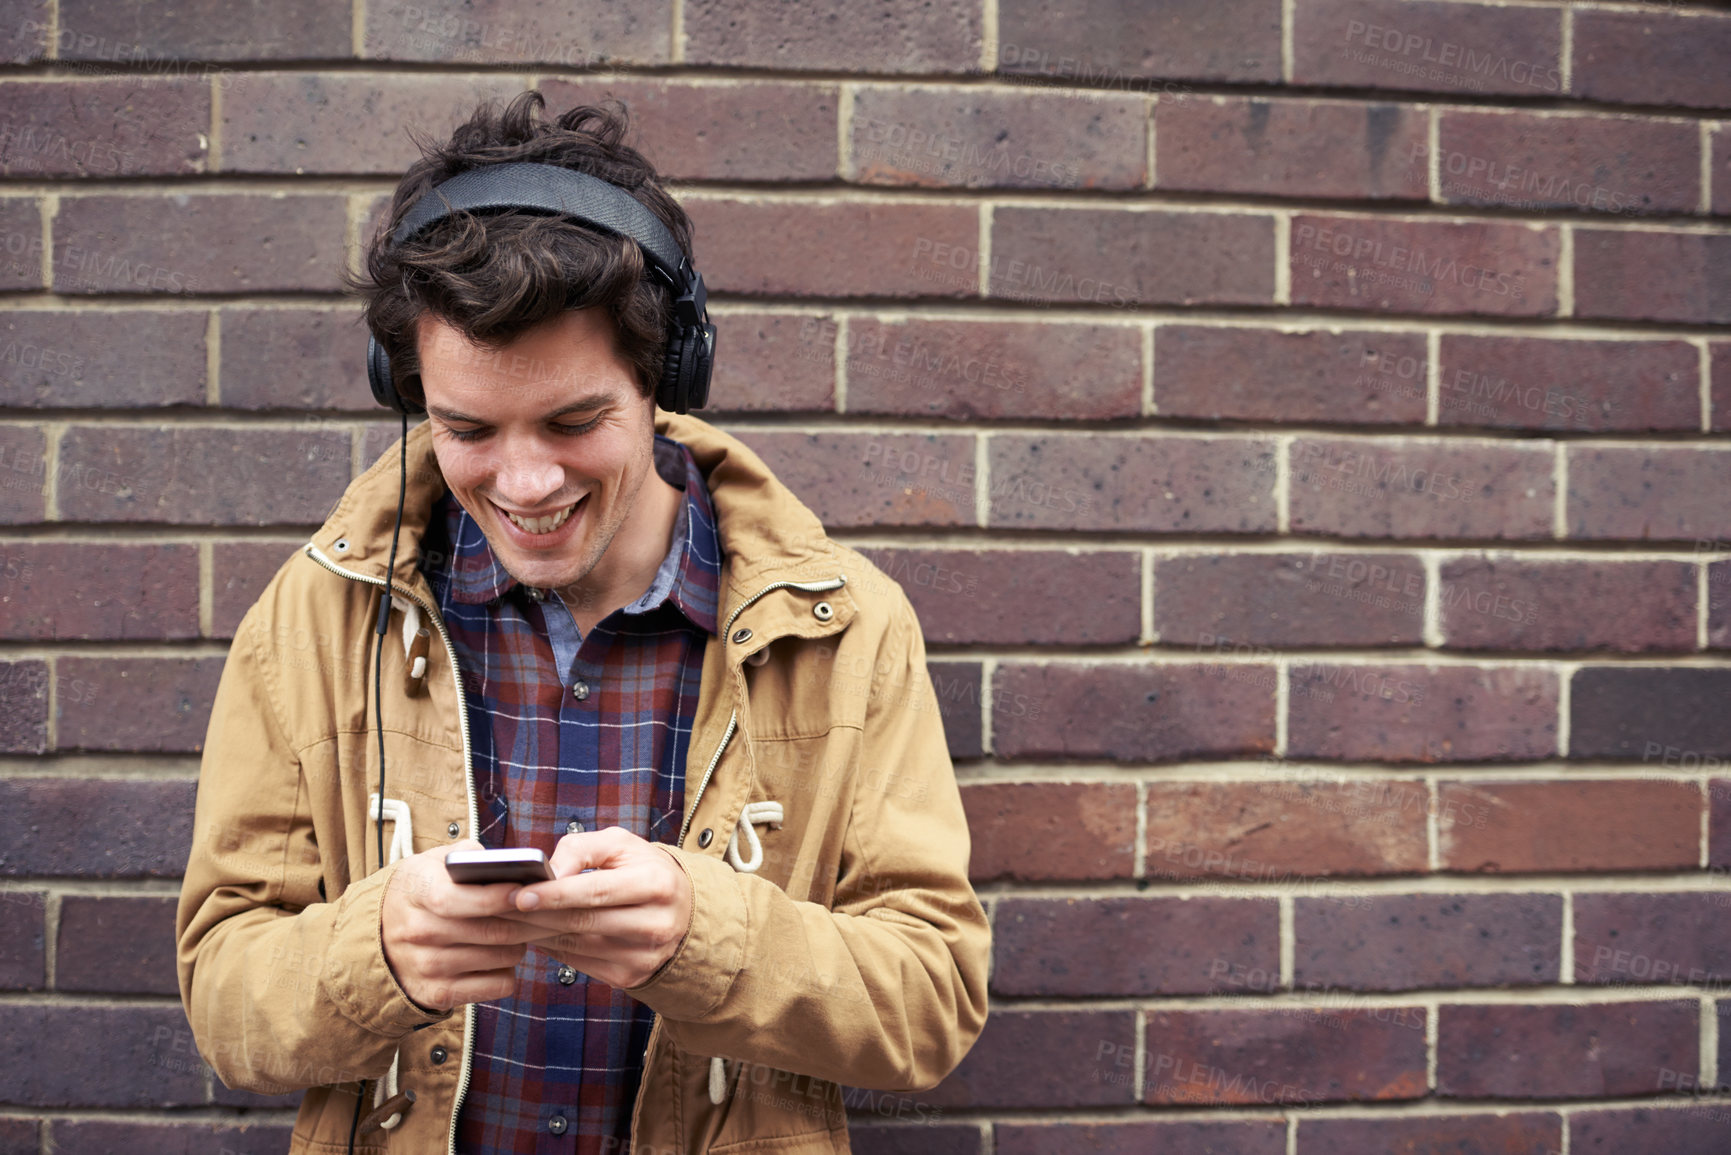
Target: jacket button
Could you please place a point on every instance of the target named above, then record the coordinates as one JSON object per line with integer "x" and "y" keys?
{"x": 453, "y": 830}
{"x": 567, "y": 975}
{"x": 823, "y": 611}
{"x": 556, "y": 1124}
{"x": 741, "y": 635}
{"x": 439, "y": 1055}
{"x": 705, "y": 838}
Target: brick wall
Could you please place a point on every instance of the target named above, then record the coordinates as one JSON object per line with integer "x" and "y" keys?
{"x": 1298, "y": 423}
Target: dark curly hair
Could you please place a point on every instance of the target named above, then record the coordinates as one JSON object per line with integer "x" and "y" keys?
{"x": 493, "y": 276}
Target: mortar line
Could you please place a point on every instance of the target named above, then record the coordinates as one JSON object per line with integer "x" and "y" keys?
{"x": 1565, "y": 269}
{"x": 1433, "y": 377}
{"x": 1704, "y": 368}
{"x": 676, "y": 32}
{"x": 213, "y": 358}
{"x": 1560, "y": 482}
{"x": 1703, "y": 588}
{"x": 1566, "y": 950}
{"x": 988, "y": 667}
{"x": 989, "y": 33}
{"x": 1706, "y": 133}
{"x": 1566, "y": 51}
{"x": 839, "y": 377}
{"x": 1150, "y": 407}
{"x": 1148, "y": 635}
{"x": 1288, "y": 941}
{"x": 206, "y": 587}
{"x": 1283, "y": 258}
{"x": 844, "y": 166}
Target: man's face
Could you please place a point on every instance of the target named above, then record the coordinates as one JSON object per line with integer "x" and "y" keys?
{"x": 551, "y": 428}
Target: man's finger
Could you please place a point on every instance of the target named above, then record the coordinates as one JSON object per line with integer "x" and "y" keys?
{"x": 623, "y": 886}
{"x": 592, "y": 849}
{"x": 626, "y": 925}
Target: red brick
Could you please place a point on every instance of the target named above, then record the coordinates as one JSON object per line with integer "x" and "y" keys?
{"x": 133, "y": 359}
{"x": 1413, "y": 713}
{"x": 139, "y": 32}
{"x": 126, "y": 945}
{"x": 1719, "y": 369}
{"x": 22, "y": 1136}
{"x": 1264, "y": 832}
{"x": 23, "y": 474}
{"x": 986, "y": 138}
{"x": 788, "y": 247}
{"x": 1485, "y": 268}
{"x": 1123, "y": 257}
{"x": 1121, "y": 42}
{"x": 731, "y": 131}
{"x": 286, "y": 358}
{"x": 1702, "y": 1130}
{"x": 1050, "y": 831}
{"x": 347, "y": 122}
{"x": 240, "y": 571}
{"x": 957, "y": 686}
{"x": 1645, "y": 711}
{"x": 1653, "y": 276}
{"x": 1508, "y": 602}
{"x": 103, "y": 1056}
{"x": 1222, "y": 602}
{"x": 969, "y": 370}
{"x": 77, "y": 591}
{"x": 565, "y": 33}
{"x": 1648, "y": 494}
{"x": 773, "y": 362}
{"x": 96, "y": 828}
{"x": 1421, "y": 488}
{"x": 1555, "y": 827}
{"x": 24, "y": 26}
{"x": 23, "y": 707}
{"x": 1652, "y": 938}
{"x": 1285, "y": 1056}
{"x": 1621, "y": 165}
{"x": 1652, "y": 57}
{"x": 1043, "y": 1059}
{"x": 1598, "y": 386}
{"x": 1498, "y": 1051}
{"x": 1424, "y": 45}
{"x": 192, "y": 475}
{"x": 925, "y": 1137}
{"x": 896, "y": 478}
{"x": 1721, "y": 165}
{"x": 1718, "y": 808}
{"x": 894, "y": 36}
{"x": 98, "y": 1136}
{"x": 1416, "y": 941}
{"x": 1528, "y": 1133}
{"x": 1128, "y": 713}
{"x": 1186, "y": 1137}
{"x": 187, "y": 243}
{"x": 1292, "y": 148}
{"x": 1352, "y": 377}
{"x": 980, "y": 596}
{"x": 137, "y": 704}
{"x": 23, "y": 942}
{"x": 1718, "y": 603}
{"x": 23, "y": 263}
{"x": 1130, "y": 946}
{"x": 1156, "y": 484}
{"x": 124, "y": 126}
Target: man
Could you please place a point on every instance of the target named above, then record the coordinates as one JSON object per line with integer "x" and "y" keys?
{"x": 641, "y": 655}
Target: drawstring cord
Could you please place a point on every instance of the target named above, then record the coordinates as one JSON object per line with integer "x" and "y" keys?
{"x": 396, "y": 812}
{"x": 768, "y": 812}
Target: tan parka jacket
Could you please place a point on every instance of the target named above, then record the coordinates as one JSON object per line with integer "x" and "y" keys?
{"x": 842, "y": 946}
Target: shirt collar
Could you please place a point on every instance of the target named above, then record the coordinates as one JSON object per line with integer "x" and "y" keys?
{"x": 689, "y": 576}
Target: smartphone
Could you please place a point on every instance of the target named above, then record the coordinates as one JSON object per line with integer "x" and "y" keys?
{"x": 513, "y": 864}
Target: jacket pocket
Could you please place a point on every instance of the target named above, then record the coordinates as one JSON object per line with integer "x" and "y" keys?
{"x": 772, "y": 1110}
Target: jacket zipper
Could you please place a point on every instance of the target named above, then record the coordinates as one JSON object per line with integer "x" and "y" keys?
{"x": 317, "y": 555}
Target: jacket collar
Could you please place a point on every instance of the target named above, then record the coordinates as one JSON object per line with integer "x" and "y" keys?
{"x": 767, "y": 534}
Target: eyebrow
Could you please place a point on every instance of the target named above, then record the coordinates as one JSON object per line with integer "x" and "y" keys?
{"x": 584, "y": 405}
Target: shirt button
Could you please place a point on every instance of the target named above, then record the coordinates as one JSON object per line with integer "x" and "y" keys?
{"x": 573, "y": 827}
{"x": 556, "y": 1124}
{"x": 439, "y": 1055}
{"x": 580, "y": 690}
{"x": 567, "y": 975}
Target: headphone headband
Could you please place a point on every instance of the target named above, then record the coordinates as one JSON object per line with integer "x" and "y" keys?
{"x": 554, "y": 190}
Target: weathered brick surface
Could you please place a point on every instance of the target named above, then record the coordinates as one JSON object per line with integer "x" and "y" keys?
{"x": 1425, "y": 45}
{"x": 900, "y": 36}
{"x": 1042, "y": 1059}
{"x": 23, "y": 941}
{"x": 1652, "y": 57}
{"x": 125, "y": 945}
{"x": 1422, "y": 714}
{"x": 1647, "y": 713}
{"x": 957, "y": 688}
{"x": 1528, "y": 1133}
{"x": 1371, "y": 264}
{"x": 1499, "y": 602}
{"x": 24, "y": 474}
{"x": 1049, "y": 831}
{"x": 104, "y": 1056}
{"x": 1243, "y": 1137}
{"x": 1424, "y": 941}
{"x": 90, "y": 828}
{"x": 567, "y": 34}
{"x": 136, "y": 31}
{"x": 1703, "y": 1130}
{"x": 1121, "y": 42}
{"x": 1498, "y": 1051}
{"x": 293, "y": 358}
{"x": 68, "y": 591}
{"x": 27, "y": 260}
{"x": 165, "y": 703}
{"x": 24, "y": 696}
{"x": 1653, "y": 276}
{"x": 95, "y": 1136}
{"x": 106, "y": 128}
{"x": 1551, "y": 827}
{"x": 774, "y": 362}
{"x": 1226, "y": 604}
{"x": 915, "y": 1138}
{"x": 1599, "y": 386}
{"x": 874, "y": 478}
{"x": 1288, "y": 1056}
{"x": 1421, "y": 488}
{"x": 1356, "y": 377}
{"x": 241, "y": 570}
{"x": 1128, "y": 946}
{"x": 1293, "y": 148}
{"x": 1651, "y": 938}
{"x": 102, "y": 358}
{"x": 1661, "y": 493}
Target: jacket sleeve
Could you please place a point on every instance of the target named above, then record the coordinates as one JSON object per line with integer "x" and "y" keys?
{"x": 282, "y": 989}
{"x": 887, "y": 990}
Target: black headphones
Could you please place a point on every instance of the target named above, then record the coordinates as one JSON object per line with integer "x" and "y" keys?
{"x": 547, "y": 188}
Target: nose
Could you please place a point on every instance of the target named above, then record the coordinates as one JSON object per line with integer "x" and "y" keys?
{"x": 528, "y": 477}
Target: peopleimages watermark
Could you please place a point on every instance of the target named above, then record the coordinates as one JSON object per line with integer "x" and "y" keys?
{"x": 437, "y": 32}
{"x": 1375, "y": 261}
{"x": 872, "y": 354}
{"x": 957, "y": 265}
{"x": 34, "y": 143}
{"x": 1503, "y": 183}
{"x": 1427, "y": 58}
{"x": 83, "y": 50}
{"x": 1051, "y": 69}
{"x": 926, "y": 151}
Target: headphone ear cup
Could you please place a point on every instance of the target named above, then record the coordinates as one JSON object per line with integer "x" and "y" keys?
{"x": 700, "y": 350}
{"x": 379, "y": 376}
{"x": 667, "y": 394}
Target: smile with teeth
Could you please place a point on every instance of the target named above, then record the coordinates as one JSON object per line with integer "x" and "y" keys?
{"x": 540, "y": 525}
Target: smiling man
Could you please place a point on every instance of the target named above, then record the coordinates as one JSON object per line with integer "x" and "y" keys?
{"x": 613, "y": 636}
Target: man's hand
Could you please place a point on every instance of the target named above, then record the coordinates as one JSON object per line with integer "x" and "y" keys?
{"x": 447, "y": 942}
{"x": 617, "y": 909}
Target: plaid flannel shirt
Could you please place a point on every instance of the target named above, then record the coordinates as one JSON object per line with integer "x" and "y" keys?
{"x": 582, "y": 733}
